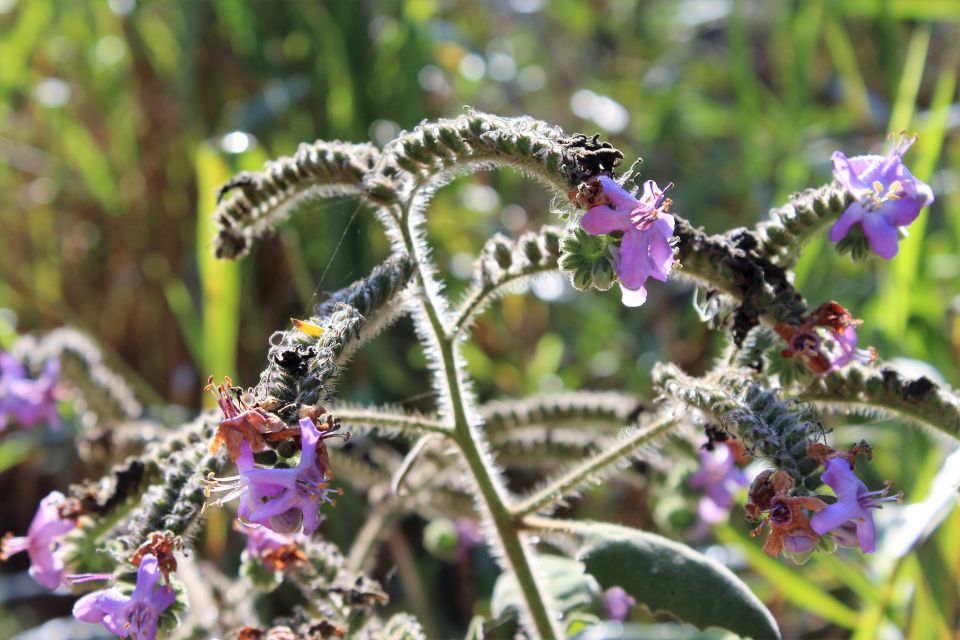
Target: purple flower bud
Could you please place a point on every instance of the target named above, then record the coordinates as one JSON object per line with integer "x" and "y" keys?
{"x": 135, "y": 616}
{"x": 852, "y": 508}
{"x": 617, "y": 604}
{"x": 888, "y": 197}
{"x": 24, "y": 400}
{"x": 41, "y": 541}
{"x": 280, "y": 499}
{"x": 645, "y": 250}
{"x": 720, "y": 478}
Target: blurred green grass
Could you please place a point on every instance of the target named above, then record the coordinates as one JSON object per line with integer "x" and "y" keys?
{"x": 113, "y": 119}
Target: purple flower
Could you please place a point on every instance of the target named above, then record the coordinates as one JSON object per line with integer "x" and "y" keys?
{"x": 645, "y": 250}
{"x": 41, "y": 541}
{"x": 719, "y": 477}
{"x": 852, "y": 506}
{"x": 276, "y": 551}
{"x": 135, "y": 616}
{"x": 24, "y": 400}
{"x": 280, "y": 499}
{"x": 887, "y": 196}
{"x": 617, "y": 604}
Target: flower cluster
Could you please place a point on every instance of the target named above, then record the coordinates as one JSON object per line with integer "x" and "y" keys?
{"x": 42, "y": 541}
{"x": 645, "y": 250}
{"x": 282, "y": 499}
{"x": 24, "y": 400}
{"x": 848, "y": 521}
{"x": 887, "y": 196}
{"x": 826, "y": 341}
{"x": 134, "y": 616}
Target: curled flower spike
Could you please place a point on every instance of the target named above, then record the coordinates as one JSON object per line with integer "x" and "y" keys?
{"x": 276, "y": 551}
{"x": 645, "y": 250}
{"x": 42, "y": 540}
{"x": 24, "y": 400}
{"x": 826, "y": 341}
{"x": 888, "y": 197}
{"x": 850, "y": 518}
{"x": 135, "y": 616}
{"x": 720, "y": 478}
{"x": 241, "y": 422}
{"x": 282, "y": 499}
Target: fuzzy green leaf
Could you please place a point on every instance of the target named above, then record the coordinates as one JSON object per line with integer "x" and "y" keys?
{"x": 668, "y": 576}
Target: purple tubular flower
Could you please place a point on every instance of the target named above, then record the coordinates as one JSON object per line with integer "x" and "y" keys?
{"x": 41, "y": 541}
{"x": 845, "y": 349}
{"x": 719, "y": 477}
{"x": 887, "y": 196}
{"x": 261, "y": 540}
{"x": 24, "y": 400}
{"x": 135, "y": 616}
{"x": 645, "y": 251}
{"x": 852, "y": 507}
{"x": 280, "y": 499}
{"x": 617, "y": 604}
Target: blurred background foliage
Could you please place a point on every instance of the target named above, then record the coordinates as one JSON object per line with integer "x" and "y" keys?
{"x": 118, "y": 119}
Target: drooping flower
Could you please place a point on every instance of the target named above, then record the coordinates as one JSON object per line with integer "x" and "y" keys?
{"x": 888, "y": 197}
{"x": 645, "y": 250}
{"x": 853, "y": 505}
{"x": 24, "y": 400}
{"x": 790, "y": 529}
{"x": 135, "y": 616}
{"x": 826, "y": 341}
{"x": 42, "y": 540}
{"x": 282, "y": 499}
{"x": 276, "y": 551}
{"x": 720, "y": 478}
{"x": 617, "y": 604}
{"x": 242, "y": 423}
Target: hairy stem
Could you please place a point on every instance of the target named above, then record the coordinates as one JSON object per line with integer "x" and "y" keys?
{"x": 576, "y": 476}
{"x": 491, "y": 491}
{"x": 372, "y": 418}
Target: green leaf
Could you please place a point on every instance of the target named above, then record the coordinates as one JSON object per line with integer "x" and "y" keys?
{"x": 566, "y": 580}
{"x": 667, "y": 576}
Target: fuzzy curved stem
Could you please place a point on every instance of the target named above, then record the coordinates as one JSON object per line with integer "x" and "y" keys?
{"x": 574, "y": 477}
{"x": 491, "y": 491}
{"x": 886, "y": 390}
{"x": 477, "y": 298}
{"x": 373, "y": 418}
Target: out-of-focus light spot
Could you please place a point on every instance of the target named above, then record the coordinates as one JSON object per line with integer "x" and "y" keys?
{"x": 277, "y": 96}
{"x": 550, "y": 383}
{"x": 296, "y": 46}
{"x": 6, "y": 6}
{"x": 550, "y": 286}
{"x": 52, "y": 92}
{"x": 479, "y": 197}
{"x": 237, "y": 142}
{"x": 383, "y": 131}
{"x": 532, "y": 78}
{"x": 122, "y": 7}
{"x": 503, "y": 68}
{"x": 431, "y": 78}
{"x": 604, "y": 363}
{"x": 603, "y": 111}
{"x": 461, "y": 265}
{"x": 513, "y": 217}
{"x": 694, "y": 13}
{"x": 527, "y": 6}
{"x": 8, "y": 321}
{"x": 110, "y": 49}
{"x": 42, "y": 191}
{"x": 472, "y": 66}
